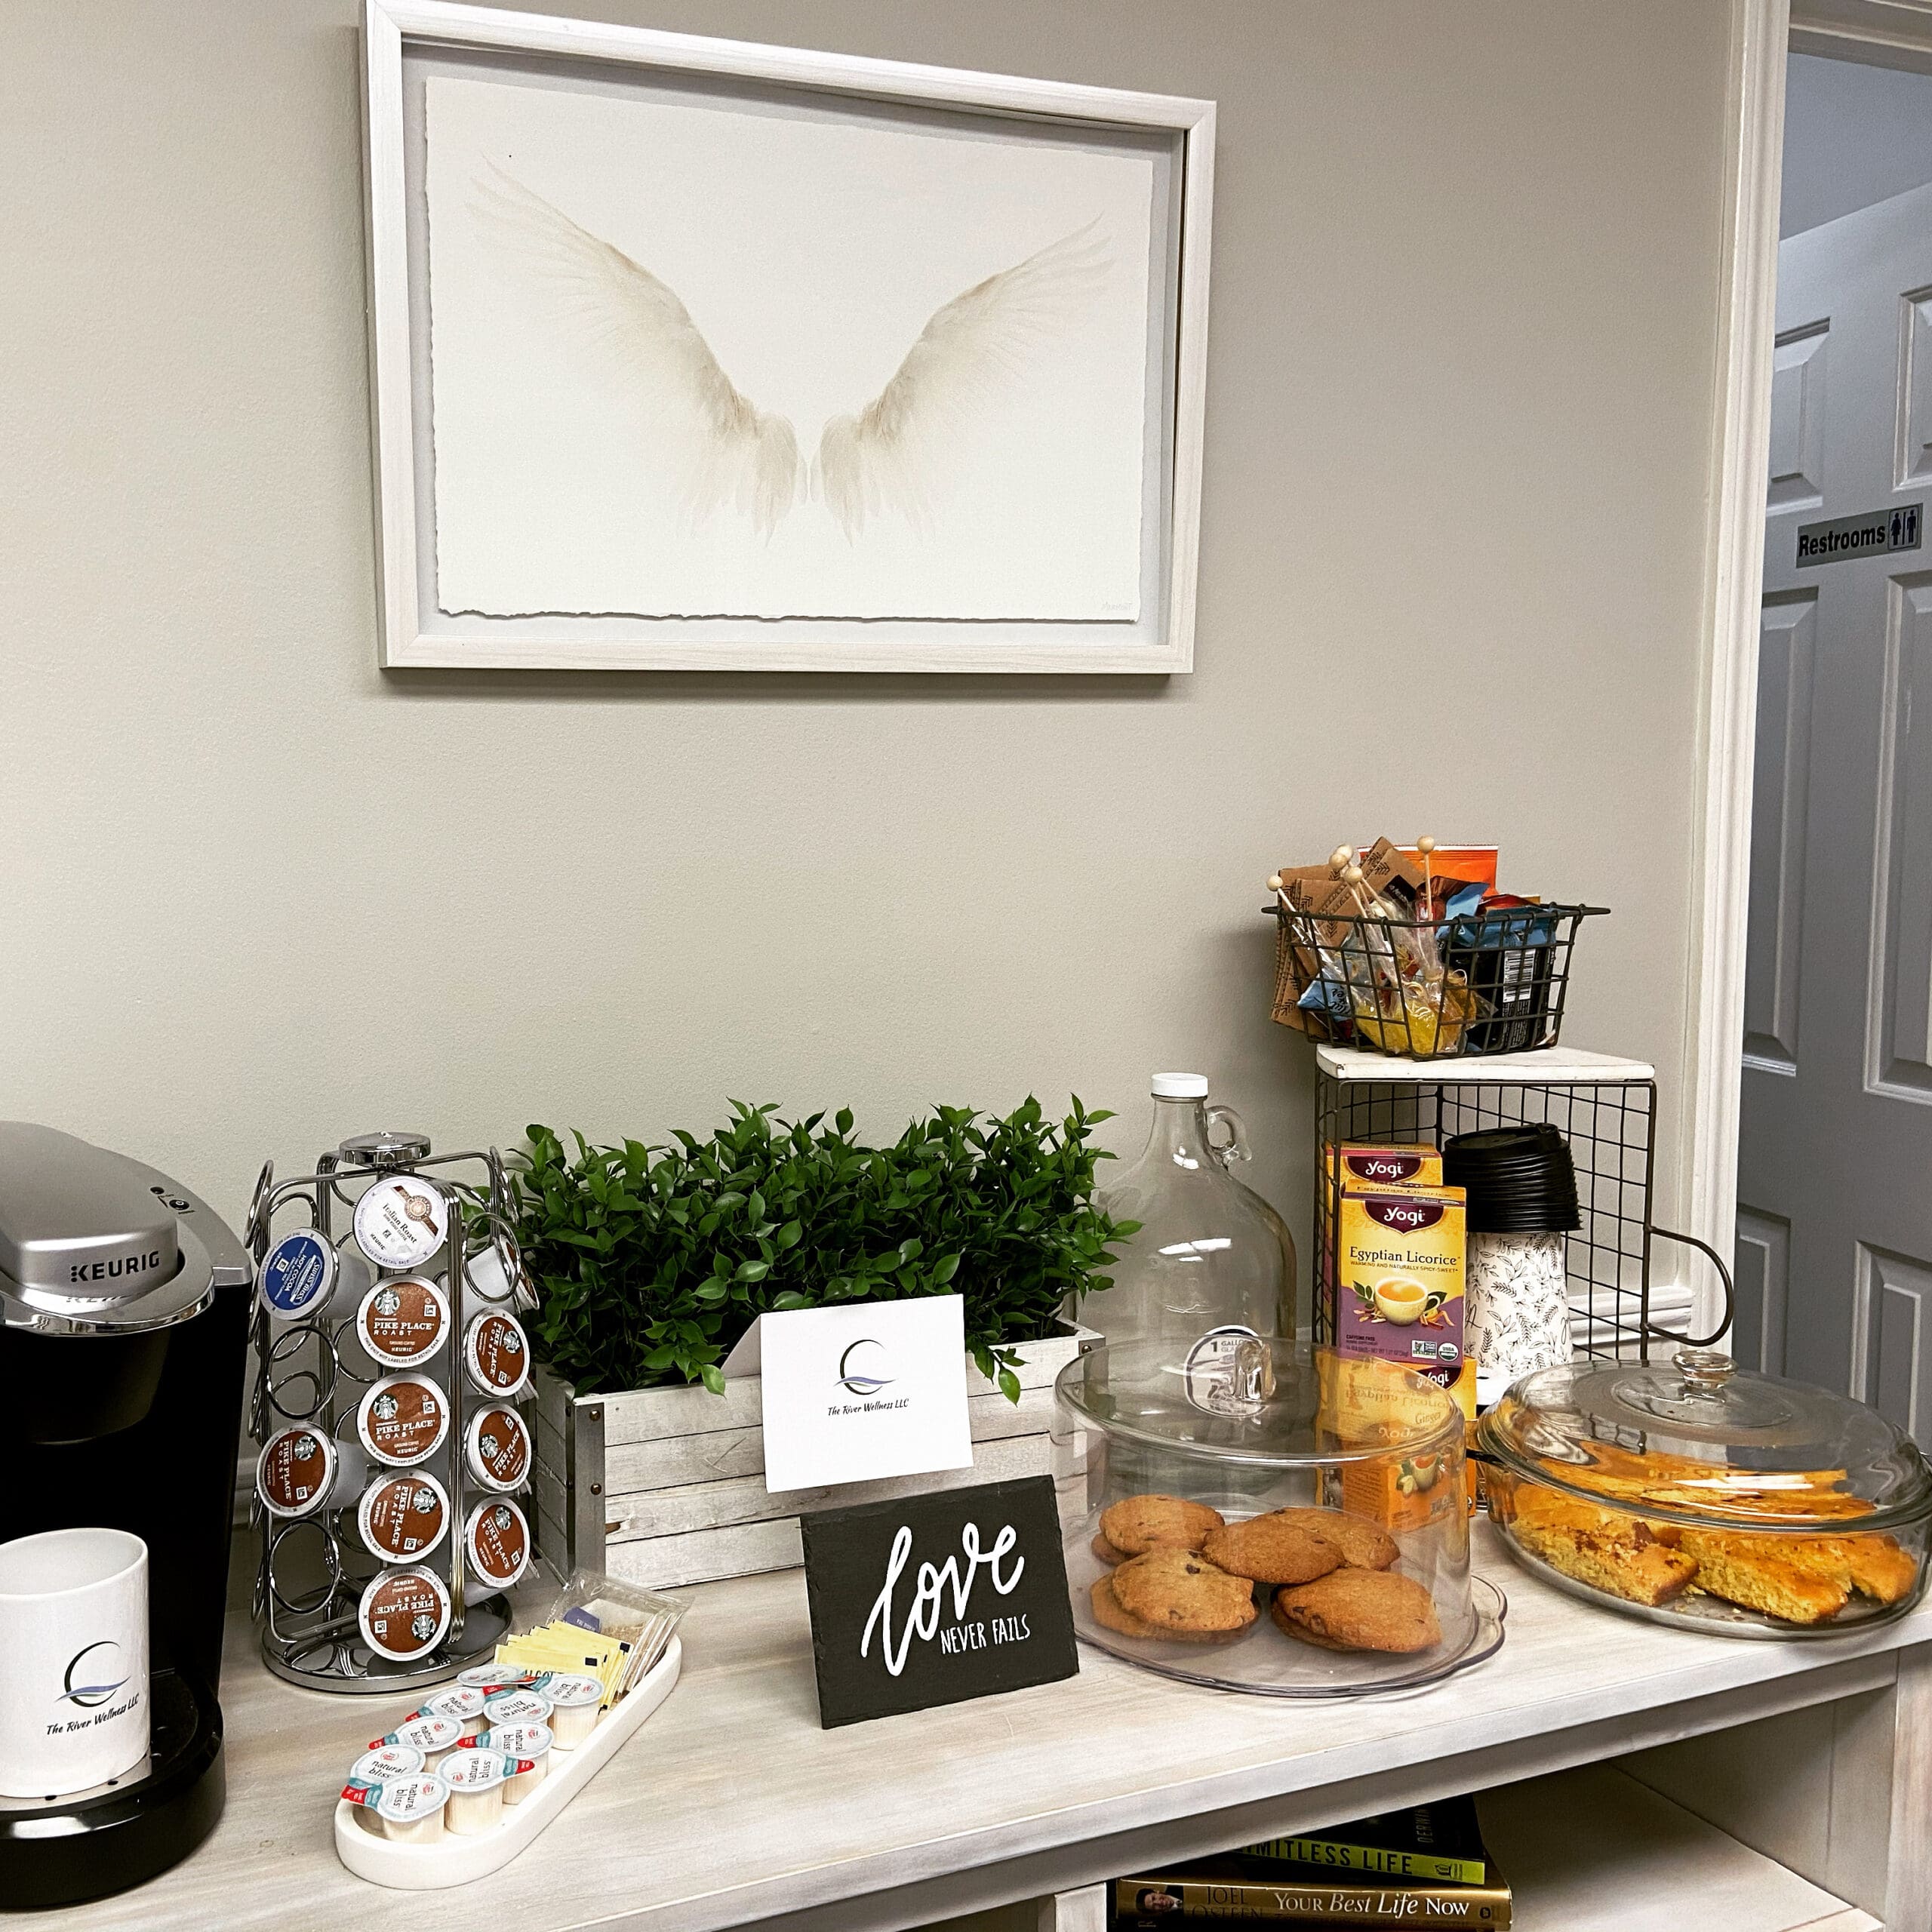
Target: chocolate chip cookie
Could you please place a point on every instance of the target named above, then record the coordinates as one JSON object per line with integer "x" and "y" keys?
{"x": 1106, "y": 1552}
{"x": 1138, "y": 1524}
{"x": 1273, "y": 1548}
{"x": 1175, "y": 1590}
{"x": 1359, "y": 1610}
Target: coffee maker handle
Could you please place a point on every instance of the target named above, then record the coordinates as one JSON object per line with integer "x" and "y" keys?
{"x": 1236, "y": 1147}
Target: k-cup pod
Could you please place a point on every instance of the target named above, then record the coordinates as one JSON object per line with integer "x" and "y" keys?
{"x": 434, "y": 1738}
{"x": 353, "y": 1274}
{"x": 497, "y": 1539}
{"x": 498, "y": 1450}
{"x": 402, "y": 1221}
{"x": 574, "y": 1705}
{"x": 404, "y": 1615}
{"x": 403, "y": 1517}
{"x": 385, "y": 1761}
{"x": 297, "y": 1275}
{"x": 476, "y": 1779}
{"x": 529, "y": 1744}
{"x": 408, "y": 1810}
{"x": 522, "y": 1707}
{"x": 496, "y": 1353}
{"x": 486, "y": 1280}
{"x": 301, "y": 1471}
{"x": 402, "y": 1420}
{"x": 403, "y": 1322}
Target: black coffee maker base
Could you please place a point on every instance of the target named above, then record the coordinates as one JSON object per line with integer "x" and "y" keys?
{"x": 123, "y": 1833}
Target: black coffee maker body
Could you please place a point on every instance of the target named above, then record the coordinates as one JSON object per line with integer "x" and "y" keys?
{"x": 124, "y": 1323}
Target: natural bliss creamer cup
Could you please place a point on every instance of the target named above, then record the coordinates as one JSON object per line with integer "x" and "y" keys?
{"x": 462, "y": 1701}
{"x": 497, "y": 1539}
{"x": 386, "y": 1761}
{"x": 432, "y": 1738}
{"x": 409, "y": 1810}
{"x": 402, "y": 1221}
{"x": 491, "y": 1678}
{"x": 518, "y": 1707}
{"x": 301, "y": 1471}
{"x": 403, "y": 1516}
{"x": 402, "y": 1420}
{"x": 402, "y": 1322}
{"x": 529, "y": 1744}
{"x": 497, "y": 1448}
{"x": 477, "y": 1779}
{"x": 404, "y": 1614}
{"x": 496, "y": 1353}
{"x": 574, "y": 1703}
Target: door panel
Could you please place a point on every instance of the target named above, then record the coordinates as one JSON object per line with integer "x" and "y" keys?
{"x": 1901, "y": 1026}
{"x": 1762, "y": 1268}
{"x": 1786, "y": 654}
{"x": 1913, "y": 464}
{"x": 1798, "y": 418}
{"x": 1890, "y": 1370}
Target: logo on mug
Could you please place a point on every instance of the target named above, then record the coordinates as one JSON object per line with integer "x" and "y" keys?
{"x": 854, "y": 1380}
{"x": 90, "y": 1694}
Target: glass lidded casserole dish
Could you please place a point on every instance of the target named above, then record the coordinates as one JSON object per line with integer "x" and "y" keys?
{"x": 1260, "y": 1514}
{"x": 1698, "y": 1493}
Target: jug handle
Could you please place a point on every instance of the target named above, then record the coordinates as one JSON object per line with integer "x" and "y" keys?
{"x": 1236, "y": 1147}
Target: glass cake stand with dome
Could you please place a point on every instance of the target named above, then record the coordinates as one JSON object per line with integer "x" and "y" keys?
{"x": 1276, "y": 1425}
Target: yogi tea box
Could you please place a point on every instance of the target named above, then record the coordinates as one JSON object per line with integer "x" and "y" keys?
{"x": 1378, "y": 1163}
{"x": 1399, "y": 1289}
{"x": 1398, "y": 1298}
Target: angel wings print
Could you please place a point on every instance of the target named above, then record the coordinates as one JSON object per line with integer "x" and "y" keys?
{"x": 890, "y": 455}
{"x": 694, "y": 359}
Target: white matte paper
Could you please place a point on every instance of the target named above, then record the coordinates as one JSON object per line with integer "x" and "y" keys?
{"x": 711, "y": 360}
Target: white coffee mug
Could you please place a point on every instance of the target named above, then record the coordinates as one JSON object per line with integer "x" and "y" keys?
{"x": 73, "y": 1660}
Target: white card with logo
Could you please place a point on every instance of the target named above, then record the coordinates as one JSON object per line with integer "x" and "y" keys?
{"x": 861, "y": 1391}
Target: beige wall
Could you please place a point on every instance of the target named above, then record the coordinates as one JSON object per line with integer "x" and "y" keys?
{"x": 258, "y": 894}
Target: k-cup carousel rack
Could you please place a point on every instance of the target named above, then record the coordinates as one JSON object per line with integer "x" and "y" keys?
{"x": 351, "y": 1261}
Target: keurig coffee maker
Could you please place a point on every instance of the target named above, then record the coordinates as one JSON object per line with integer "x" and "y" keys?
{"x": 123, "y": 1313}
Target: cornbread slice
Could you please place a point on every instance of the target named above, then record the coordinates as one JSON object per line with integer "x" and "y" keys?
{"x": 1751, "y": 1571}
{"x": 1874, "y": 1566}
{"x": 1608, "y": 1551}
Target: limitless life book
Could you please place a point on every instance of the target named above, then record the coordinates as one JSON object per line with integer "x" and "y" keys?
{"x": 1440, "y": 1842}
{"x": 1239, "y": 1888}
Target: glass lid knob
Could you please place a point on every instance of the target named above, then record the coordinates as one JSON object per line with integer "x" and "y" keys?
{"x": 1705, "y": 1370}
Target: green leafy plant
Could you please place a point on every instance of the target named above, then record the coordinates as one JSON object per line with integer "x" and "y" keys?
{"x": 650, "y": 1261}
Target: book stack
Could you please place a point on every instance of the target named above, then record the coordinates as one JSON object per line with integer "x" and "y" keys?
{"x": 1425, "y": 1865}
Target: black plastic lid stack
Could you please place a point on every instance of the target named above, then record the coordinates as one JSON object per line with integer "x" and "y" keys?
{"x": 1519, "y": 1179}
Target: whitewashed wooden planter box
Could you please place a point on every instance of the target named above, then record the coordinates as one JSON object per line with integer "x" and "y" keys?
{"x": 666, "y": 1486}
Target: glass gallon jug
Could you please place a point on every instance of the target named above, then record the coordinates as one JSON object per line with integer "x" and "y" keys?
{"x": 1212, "y": 1262}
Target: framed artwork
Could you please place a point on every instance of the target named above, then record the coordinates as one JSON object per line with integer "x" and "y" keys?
{"x": 690, "y": 354}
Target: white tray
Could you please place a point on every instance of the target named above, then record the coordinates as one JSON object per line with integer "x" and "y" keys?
{"x": 453, "y": 1860}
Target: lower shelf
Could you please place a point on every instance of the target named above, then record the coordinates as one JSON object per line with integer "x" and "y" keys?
{"x": 1593, "y": 1850}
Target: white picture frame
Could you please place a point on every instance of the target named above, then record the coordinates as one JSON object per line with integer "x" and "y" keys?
{"x": 407, "y": 42}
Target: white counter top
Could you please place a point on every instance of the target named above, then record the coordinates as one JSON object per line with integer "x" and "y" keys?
{"x": 731, "y": 1806}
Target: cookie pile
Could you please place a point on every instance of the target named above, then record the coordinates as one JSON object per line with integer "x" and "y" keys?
{"x": 1180, "y": 1570}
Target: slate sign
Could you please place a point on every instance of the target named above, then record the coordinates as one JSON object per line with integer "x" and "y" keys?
{"x": 933, "y": 1599}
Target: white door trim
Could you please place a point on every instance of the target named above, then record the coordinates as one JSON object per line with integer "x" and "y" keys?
{"x": 1714, "y": 1010}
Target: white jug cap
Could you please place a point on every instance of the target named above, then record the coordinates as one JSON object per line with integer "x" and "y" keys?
{"x": 1179, "y": 1086}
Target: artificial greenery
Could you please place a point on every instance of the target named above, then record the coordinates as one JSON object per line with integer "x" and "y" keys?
{"x": 651, "y": 1261}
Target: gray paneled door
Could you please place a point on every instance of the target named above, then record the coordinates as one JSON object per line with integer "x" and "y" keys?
{"x": 1835, "y": 1165}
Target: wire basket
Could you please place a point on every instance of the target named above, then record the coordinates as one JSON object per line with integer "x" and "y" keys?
{"x": 1483, "y": 983}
